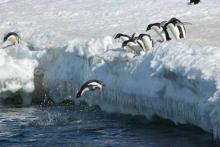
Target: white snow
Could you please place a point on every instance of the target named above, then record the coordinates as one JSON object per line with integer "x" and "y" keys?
{"x": 71, "y": 41}
{"x": 17, "y": 71}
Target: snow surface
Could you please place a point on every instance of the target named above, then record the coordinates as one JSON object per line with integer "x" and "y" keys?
{"x": 71, "y": 41}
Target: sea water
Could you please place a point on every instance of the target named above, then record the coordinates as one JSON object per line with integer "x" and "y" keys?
{"x": 79, "y": 126}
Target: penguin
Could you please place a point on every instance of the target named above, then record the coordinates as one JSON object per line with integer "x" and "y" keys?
{"x": 159, "y": 29}
{"x": 90, "y": 85}
{"x": 147, "y": 41}
{"x": 11, "y": 38}
{"x": 175, "y": 20}
{"x": 172, "y": 27}
{"x": 134, "y": 45}
{"x": 119, "y": 35}
{"x": 195, "y": 2}
{"x": 180, "y": 26}
{"x": 167, "y": 36}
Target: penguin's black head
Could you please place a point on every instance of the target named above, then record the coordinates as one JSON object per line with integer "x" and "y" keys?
{"x": 151, "y": 25}
{"x": 10, "y": 34}
{"x": 117, "y": 36}
{"x": 141, "y": 35}
{"x": 78, "y": 95}
{"x": 174, "y": 20}
{"x": 148, "y": 27}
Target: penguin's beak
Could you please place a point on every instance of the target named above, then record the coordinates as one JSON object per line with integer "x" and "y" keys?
{"x": 147, "y": 29}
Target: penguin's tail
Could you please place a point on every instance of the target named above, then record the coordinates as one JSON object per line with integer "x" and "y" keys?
{"x": 187, "y": 23}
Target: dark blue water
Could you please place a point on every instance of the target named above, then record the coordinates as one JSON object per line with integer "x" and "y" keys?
{"x": 76, "y": 126}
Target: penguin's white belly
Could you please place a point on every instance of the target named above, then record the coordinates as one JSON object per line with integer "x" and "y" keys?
{"x": 173, "y": 31}
{"x": 134, "y": 47}
{"x": 160, "y": 33}
{"x": 163, "y": 36}
{"x": 95, "y": 85}
{"x": 13, "y": 40}
{"x": 124, "y": 39}
{"x": 147, "y": 43}
{"x": 141, "y": 43}
{"x": 85, "y": 90}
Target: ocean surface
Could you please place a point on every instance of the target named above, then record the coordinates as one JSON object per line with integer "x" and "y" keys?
{"x": 80, "y": 125}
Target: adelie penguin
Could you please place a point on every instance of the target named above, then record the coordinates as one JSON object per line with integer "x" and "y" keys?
{"x": 181, "y": 27}
{"x": 159, "y": 29}
{"x": 176, "y": 27}
{"x": 195, "y": 2}
{"x": 173, "y": 29}
{"x": 146, "y": 41}
{"x": 10, "y": 39}
{"x": 90, "y": 85}
{"x": 125, "y": 37}
{"x": 133, "y": 45}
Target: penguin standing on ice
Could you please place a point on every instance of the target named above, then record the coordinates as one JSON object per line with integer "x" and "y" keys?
{"x": 181, "y": 27}
{"x": 146, "y": 40}
{"x": 170, "y": 26}
{"x": 134, "y": 45}
{"x": 90, "y": 85}
{"x": 11, "y": 38}
{"x": 159, "y": 29}
{"x": 195, "y": 2}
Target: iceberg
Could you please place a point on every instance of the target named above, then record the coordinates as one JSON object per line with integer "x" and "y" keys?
{"x": 174, "y": 81}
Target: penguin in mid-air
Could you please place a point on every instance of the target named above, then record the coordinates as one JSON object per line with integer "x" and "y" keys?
{"x": 90, "y": 85}
{"x": 11, "y": 38}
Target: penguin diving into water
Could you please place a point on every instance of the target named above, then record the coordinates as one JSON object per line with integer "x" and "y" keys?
{"x": 90, "y": 85}
{"x": 10, "y": 39}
